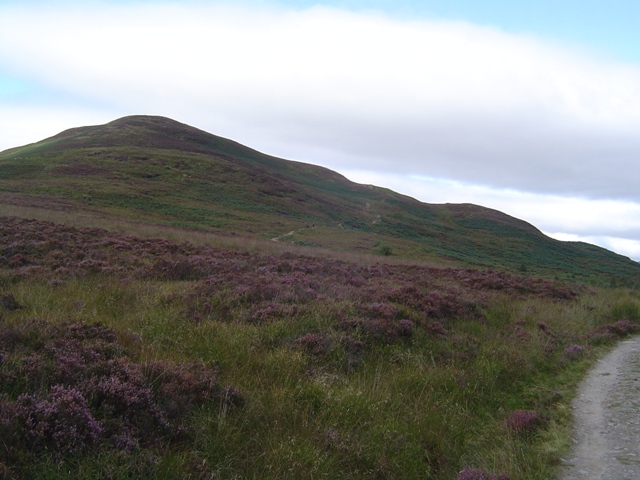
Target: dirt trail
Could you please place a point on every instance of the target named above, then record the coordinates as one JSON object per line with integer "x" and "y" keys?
{"x": 277, "y": 239}
{"x": 607, "y": 419}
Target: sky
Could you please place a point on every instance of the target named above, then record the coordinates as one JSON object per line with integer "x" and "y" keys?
{"x": 531, "y": 108}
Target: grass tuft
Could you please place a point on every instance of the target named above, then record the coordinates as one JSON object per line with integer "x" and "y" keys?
{"x": 135, "y": 357}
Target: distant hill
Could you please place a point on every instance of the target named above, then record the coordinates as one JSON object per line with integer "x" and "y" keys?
{"x": 158, "y": 171}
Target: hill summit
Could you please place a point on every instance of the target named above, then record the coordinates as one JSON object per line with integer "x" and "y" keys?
{"x": 162, "y": 172}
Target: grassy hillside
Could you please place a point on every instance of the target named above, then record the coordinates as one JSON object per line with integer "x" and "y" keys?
{"x": 155, "y": 171}
{"x": 124, "y": 357}
{"x": 257, "y": 318}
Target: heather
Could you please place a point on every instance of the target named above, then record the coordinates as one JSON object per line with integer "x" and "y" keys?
{"x": 69, "y": 388}
{"x": 148, "y": 173}
{"x": 128, "y": 357}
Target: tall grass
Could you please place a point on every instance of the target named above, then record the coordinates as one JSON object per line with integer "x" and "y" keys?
{"x": 346, "y": 370}
{"x": 250, "y": 243}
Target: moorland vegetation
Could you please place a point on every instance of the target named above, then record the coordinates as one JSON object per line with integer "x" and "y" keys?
{"x": 176, "y": 305}
{"x": 154, "y": 171}
{"x": 125, "y": 357}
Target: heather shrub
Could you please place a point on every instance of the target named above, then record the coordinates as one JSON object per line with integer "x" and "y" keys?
{"x": 477, "y": 474}
{"x": 516, "y": 285}
{"x": 408, "y": 295}
{"x": 424, "y": 351}
{"x": 251, "y": 289}
{"x": 178, "y": 388}
{"x": 270, "y": 311}
{"x": 99, "y": 334}
{"x": 313, "y": 343}
{"x": 181, "y": 268}
{"x": 622, "y": 327}
{"x": 385, "y": 331}
{"x": 382, "y": 311}
{"x": 9, "y": 302}
{"x": 71, "y": 386}
{"x": 70, "y": 359}
{"x": 404, "y": 328}
{"x": 544, "y": 328}
{"x": 611, "y": 331}
{"x": 41, "y": 354}
{"x": 448, "y": 305}
{"x": 61, "y": 422}
{"x": 523, "y": 421}
{"x": 121, "y": 396}
{"x": 436, "y": 329}
{"x": 573, "y": 352}
{"x": 301, "y": 294}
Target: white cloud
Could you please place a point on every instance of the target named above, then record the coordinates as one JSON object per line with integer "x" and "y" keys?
{"x": 21, "y": 125}
{"x": 356, "y": 92}
{"x": 434, "y": 92}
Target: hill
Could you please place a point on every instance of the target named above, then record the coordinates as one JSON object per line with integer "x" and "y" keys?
{"x": 155, "y": 170}
{"x": 234, "y": 356}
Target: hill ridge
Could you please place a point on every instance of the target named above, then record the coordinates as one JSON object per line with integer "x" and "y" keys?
{"x": 156, "y": 170}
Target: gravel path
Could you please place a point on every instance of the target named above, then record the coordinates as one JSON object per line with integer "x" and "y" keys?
{"x": 607, "y": 419}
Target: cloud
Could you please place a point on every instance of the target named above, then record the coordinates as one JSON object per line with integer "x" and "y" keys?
{"x": 24, "y": 124}
{"x": 442, "y": 99}
{"x": 545, "y": 132}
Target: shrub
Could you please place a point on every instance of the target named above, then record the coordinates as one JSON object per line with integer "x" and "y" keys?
{"x": 76, "y": 388}
{"x": 610, "y": 331}
{"x": 404, "y": 328}
{"x": 62, "y": 422}
{"x": 544, "y": 328}
{"x": 476, "y": 474}
{"x": 573, "y": 352}
{"x": 122, "y": 398}
{"x": 523, "y": 421}
{"x": 267, "y": 312}
{"x": 178, "y": 388}
{"x": 313, "y": 344}
{"x": 437, "y": 329}
{"x": 378, "y": 310}
{"x": 179, "y": 269}
{"x": 622, "y": 327}
{"x": 446, "y": 305}
{"x": 9, "y": 302}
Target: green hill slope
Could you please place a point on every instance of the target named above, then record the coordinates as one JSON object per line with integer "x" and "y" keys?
{"x": 159, "y": 171}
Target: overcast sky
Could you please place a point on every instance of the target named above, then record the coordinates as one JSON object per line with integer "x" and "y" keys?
{"x": 532, "y": 108}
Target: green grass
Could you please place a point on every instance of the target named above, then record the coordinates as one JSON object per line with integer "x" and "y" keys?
{"x": 368, "y": 402}
{"x": 159, "y": 171}
{"x": 421, "y": 408}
